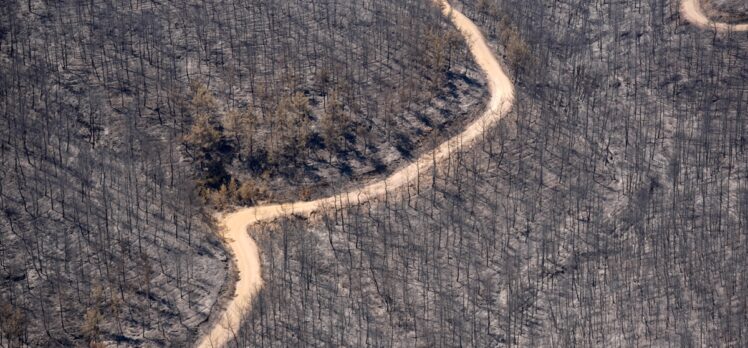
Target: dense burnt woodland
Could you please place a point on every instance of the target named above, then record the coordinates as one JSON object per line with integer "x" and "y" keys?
{"x": 609, "y": 209}
{"x": 120, "y": 119}
{"x": 338, "y": 90}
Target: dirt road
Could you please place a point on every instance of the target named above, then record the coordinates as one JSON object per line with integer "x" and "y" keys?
{"x": 236, "y": 223}
{"x": 502, "y": 97}
{"x": 692, "y": 12}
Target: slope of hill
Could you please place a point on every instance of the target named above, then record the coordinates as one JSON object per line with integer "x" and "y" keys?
{"x": 106, "y": 108}
{"x": 610, "y": 209}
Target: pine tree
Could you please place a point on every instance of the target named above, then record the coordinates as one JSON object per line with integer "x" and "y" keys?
{"x": 205, "y": 144}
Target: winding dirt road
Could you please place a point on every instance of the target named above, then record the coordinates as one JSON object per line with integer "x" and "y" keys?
{"x": 502, "y": 98}
{"x": 236, "y": 223}
{"x": 693, "y": 13}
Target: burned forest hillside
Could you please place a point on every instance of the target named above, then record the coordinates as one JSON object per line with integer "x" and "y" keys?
{"x": 610, "y": 209}
{"x": 124, "y": 123}
{"x": 602, "y": 203}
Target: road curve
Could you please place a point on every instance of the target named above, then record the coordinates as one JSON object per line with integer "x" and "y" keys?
{"x": 693, "y": 13}
{"x": 502, "y": 97}
{"x": 235, "y": 223}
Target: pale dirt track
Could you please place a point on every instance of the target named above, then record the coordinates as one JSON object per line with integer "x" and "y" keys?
{"x": 235, "y": 224}
{"x": 693, "y": 13}
{"x": 502, "y": 97}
